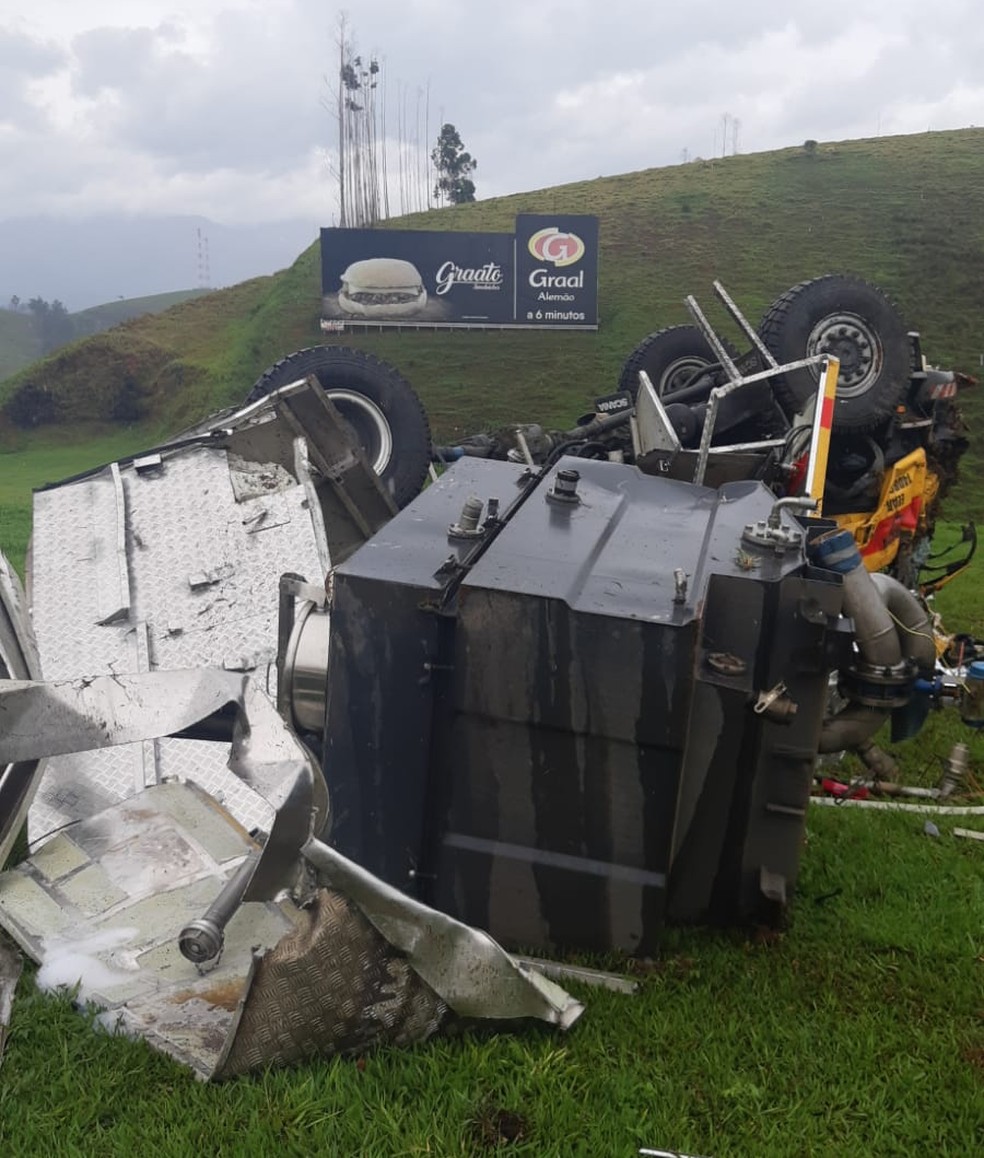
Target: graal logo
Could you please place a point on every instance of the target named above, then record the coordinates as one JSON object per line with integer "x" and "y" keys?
{"x": 556, "y": 247}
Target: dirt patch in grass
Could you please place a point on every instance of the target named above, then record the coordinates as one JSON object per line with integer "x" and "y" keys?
{"x": 493, "y": 1127}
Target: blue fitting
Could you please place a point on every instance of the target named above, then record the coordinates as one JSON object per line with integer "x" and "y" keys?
{"x": 975, "y": 671}
{"x": 836, "y": 551}
{"x": 931, "y": 687}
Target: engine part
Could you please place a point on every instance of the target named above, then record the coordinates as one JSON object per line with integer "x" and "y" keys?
{"x": 956, "y": 771}
{"x": 303, "y": 677}
{"x": 878, "y": 682}
{"x": 972, "y": 696}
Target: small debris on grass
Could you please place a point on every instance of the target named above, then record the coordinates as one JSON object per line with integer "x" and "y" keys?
{"x": 493, "y": 1127}
{"x": 969, "y": 833}
{"x": 930, "y": 829}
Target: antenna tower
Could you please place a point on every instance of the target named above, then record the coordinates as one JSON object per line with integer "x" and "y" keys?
{"x": 204, "y": 275}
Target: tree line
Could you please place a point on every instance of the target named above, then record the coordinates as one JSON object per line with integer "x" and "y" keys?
{"x": 53, "y": 324}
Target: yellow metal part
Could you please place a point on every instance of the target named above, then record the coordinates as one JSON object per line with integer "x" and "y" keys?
{"x": 907, "y": 488}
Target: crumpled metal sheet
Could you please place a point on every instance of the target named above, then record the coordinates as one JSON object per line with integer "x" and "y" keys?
{"x": 101, "y": 905}
{"x": 18, "y": 660}
{"x": 270, "y": 766}
{"x": 107, "y": 904}
{"x": 10, "y": 971}
{"x": 470, "y": 970}
{"x": 334, "y": 985}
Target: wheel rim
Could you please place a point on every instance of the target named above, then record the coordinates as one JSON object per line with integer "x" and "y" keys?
{"x": 680, "y": 373}
{"x": 852, "y": 340}
{"x": 370, "y": 425}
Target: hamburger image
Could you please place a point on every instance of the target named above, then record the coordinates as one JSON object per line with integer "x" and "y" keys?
{"x": 384, "y": 287}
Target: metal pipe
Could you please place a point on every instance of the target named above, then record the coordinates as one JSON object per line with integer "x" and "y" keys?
{"x": 916, "y": 632}
{"x": 875, "y": 634}
{"x": 790, "y": 503}
{"x": 874, "y": 628}
{"x": 202, "y": 940}
{"x": 850, "y": 728}
{"x": 897, "y": 806}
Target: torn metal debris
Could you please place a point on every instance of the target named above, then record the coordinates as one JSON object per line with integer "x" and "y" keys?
{"x": 311, "y": 954}
{"x": 10, "y": 971}
{"x": 295, "y": 762}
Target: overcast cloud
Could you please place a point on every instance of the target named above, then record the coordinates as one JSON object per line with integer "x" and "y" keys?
{"x": 216, "y": 107}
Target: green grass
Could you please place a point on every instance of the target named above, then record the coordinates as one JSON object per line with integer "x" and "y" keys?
{"x": 857, "y": 1032}
{"x": 95, "y": 319}
{"x": 29, "y": 464}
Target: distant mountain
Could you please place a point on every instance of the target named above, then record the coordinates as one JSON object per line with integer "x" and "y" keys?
{"x": 93, "y": 260}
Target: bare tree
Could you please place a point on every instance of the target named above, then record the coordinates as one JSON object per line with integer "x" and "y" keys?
{"x": 360, "y": 143}
{"x": 363, "y": 164}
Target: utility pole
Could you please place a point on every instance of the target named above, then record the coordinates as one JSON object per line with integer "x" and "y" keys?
{"x": 342, "y": 216}
{"x": 204, "y": 275}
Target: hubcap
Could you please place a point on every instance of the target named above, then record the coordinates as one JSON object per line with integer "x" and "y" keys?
{"x": 370, "y": 425}
{"x": 855, "y": 343}
{"x": 680, "y": 373}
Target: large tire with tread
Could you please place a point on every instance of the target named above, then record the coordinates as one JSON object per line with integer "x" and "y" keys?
{"x": 672, "y": 358}
{"x": 378, "y": 403}
{"x": 845, "y": 316}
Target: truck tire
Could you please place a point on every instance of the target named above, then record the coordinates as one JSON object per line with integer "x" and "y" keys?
{"x": 379, "y": 404}
{"x": 672, "y": 358}
{"x": 847, "y": 317}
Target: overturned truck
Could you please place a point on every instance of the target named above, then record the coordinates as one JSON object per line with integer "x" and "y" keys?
{"x": 573, "y": 689}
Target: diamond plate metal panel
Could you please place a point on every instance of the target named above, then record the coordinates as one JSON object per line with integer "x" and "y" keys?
{"x": 196, "y": 575}
{"x": 69, "y": 569}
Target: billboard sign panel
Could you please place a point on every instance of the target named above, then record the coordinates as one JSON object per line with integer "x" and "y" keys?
{"x": 545, "y": 275}
{"x": 557, "y": 270}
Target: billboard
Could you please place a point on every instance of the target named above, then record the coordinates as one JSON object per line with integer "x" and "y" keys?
{"x": 542, "y": 276}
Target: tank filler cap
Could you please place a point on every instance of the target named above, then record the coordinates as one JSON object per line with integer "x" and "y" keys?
{"x": 778, "y": 539}
{"x": 564, "y": 489}
{"x": 468, "y": 524}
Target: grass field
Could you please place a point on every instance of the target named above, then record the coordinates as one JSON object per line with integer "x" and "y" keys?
{"x": 859, "y": 1030}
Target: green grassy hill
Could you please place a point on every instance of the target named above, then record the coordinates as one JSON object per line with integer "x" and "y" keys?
{"x": 904, "y": 212}
{"x": 20, "y": 343}
{"x": 98, "y": 318}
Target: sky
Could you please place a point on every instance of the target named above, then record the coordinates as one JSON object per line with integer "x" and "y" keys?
{"x": 222, "y": 108}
